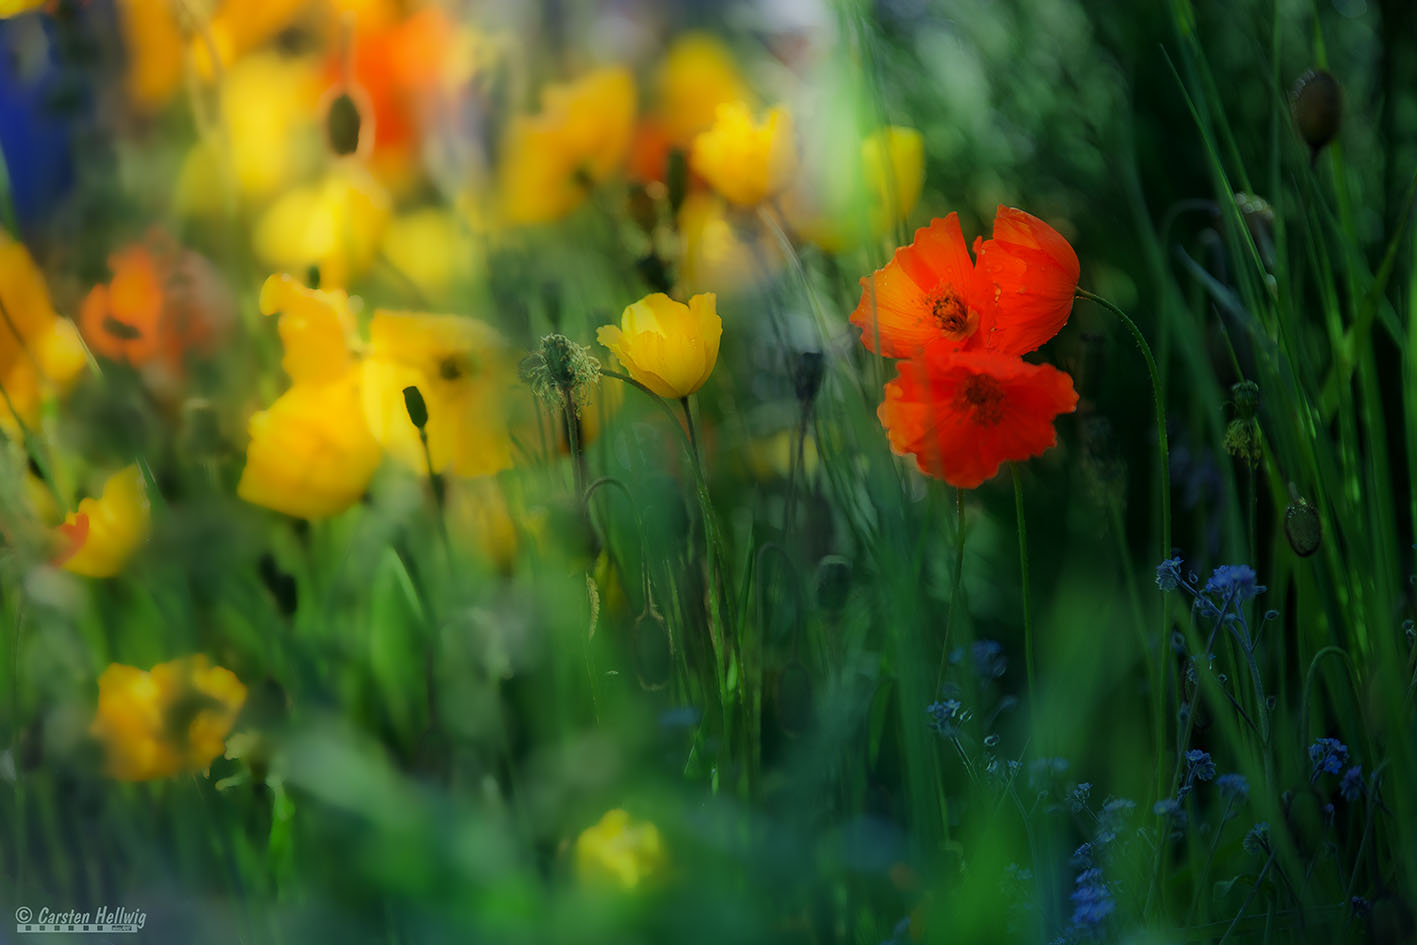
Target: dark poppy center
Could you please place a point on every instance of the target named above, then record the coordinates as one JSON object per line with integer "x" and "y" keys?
{"x": 451, "y": 369}
{"x": 982, "y": 398}
{"x": 952, "y": 315}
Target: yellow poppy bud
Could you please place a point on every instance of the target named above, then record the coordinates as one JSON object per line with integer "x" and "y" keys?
{"x": 746, "y": 161}
{"x": 165, "y": 721}
{"x": 462, "y": 370}
{"x": 667, "y": 346}
{"x": 104, "y": 532}
{"x": 620, "y": 851}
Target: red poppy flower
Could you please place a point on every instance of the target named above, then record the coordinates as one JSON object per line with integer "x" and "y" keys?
{"x": 1017, "y": 297}
{"x": 963, "y": 413}
{"x": 928, "y": 291}
{"x": 1034, "y": 273}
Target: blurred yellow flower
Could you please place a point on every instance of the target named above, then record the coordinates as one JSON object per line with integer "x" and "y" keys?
{"x": 846, "y": 206}
{"x": 579, "y": 138}
{"x": 746, "y": 161}
{"x": 334, "y": 224}
{"x": 464, "y": 371}
{"x": 268, "y": 134}
{"x": 480, "y": 518}
{"x": 433, "y": 248}
{"x": 619, "y": 851}
{"x": 311, "y": 453}
{"x": 667, "y": 346}
{"x": 160, "y": 45}
{"x": 102, "y": 534}
{"x": 721, "y": 249}
{"x": 166, "y": 721}
{"x": 40, "y": 353}
{"x": 698, "y": 74}
{"x": 9, "y": 8}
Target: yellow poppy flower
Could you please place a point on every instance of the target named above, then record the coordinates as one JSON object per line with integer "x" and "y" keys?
{"x": 462, "y": 368}
{"x": 698, "y": 74}
{"x": 103, "y": 533}
{"x": 311, "y": 453}
{"x": 746, "y": 161}
{"x": 579, "y": 138}
{"x": 334, "y": 224}
{"x": 620, "y": 851}
{"x": 165, "y": 721}
{"x": 843, "y": 207}
{"x": 40, "y": 353}
{"x": 667, "y": 346}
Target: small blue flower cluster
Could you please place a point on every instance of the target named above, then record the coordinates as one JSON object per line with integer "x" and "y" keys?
{"x": 1092, "y": 900}
{"x": 1199, "y": 765}
{"x": 946, "y": 716}
{"x": 1229, "y": 586}
{"x": 1328, "y": 756}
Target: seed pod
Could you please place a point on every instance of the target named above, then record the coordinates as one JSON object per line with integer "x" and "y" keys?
{"x": 343, "y": 124}
{"x": 417, "y": 409}
{"x": 1301, "y": 524}
{"x": 1317, "y": 103}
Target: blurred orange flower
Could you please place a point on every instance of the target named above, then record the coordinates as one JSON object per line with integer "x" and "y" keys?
{"x": 40, "y": 353}
{"x": 963, "y": 413}
{"x": 162, "y": 303}
{"x": 165, "y": 721}
{"x": 1018, "y": 296}
{"x": 103, "y": 533}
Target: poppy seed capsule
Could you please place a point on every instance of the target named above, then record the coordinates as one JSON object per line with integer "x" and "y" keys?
{"x": 1317, "y": 103}
{"x": 1301, "y": 525}
{"x": 415, "y": 405}
{"x": 343, "y": 122}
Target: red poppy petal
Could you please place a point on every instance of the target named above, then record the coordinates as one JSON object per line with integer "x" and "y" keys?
{"x": 75, "y": 534}
{"x": 1034, "y": 273}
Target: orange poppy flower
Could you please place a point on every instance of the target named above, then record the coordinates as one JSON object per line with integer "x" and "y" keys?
{"x": 963, "y": 413}
{"x": 1016, "y": 298}
{"x": 163, "y": 303}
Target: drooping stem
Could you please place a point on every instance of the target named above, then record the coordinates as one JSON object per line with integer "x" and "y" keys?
{"x": 1023, "y": 572}
{"x": 1160, "y": 406}
{"x": 1159, "y": 402}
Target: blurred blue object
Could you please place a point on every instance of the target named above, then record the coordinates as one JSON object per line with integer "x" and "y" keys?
{"x": 36, "y": 121}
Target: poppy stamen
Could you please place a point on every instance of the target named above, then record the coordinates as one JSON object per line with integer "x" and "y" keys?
{"x": 956, "y": 320}
{"x": 982, "y": 398}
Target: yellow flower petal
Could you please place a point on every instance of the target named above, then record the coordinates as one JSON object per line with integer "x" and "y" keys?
{"x": 117, "y": 524}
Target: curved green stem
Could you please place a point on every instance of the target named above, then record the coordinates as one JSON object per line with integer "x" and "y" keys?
{"x": 1160, "y": 405}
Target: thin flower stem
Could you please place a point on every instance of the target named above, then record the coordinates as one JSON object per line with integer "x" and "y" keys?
{"x": 955, "y": 602}
{"x": 1159, "y": 670}
{"x": 1023, "y": 571}
{"x": 693, "y": 438}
